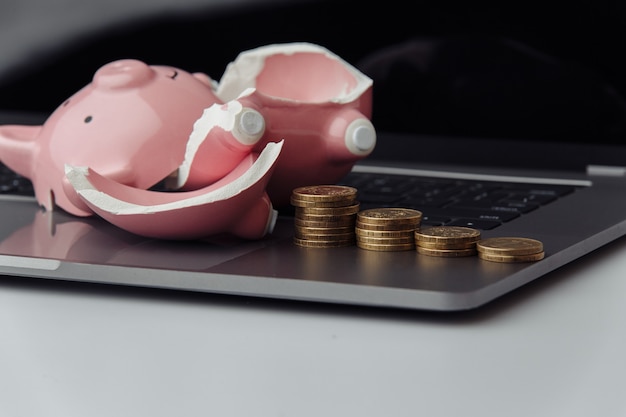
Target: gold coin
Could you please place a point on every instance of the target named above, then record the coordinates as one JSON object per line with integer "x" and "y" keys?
{"x": 387, "y": 215}
{"x": 330, "y": 222}
{"x": 296, "y": 202}
{"x": 351, "y": 209}
{"x": 391, "y": 226}
{"x": 324, "y": 230}
{"x": 509, "y": 246}
{"x": 447, "y": 234}
{"x": 323, "y": 243}
{"x": 383, "y": 233}
{"x": 385, "y": 240}
{"x": 447, "y": 245}
{"x": 532, "y": 257}
{"x": 446, "y": 253}
{"x": 385, "y": 247}
{"x": 325, "y": 236}
{"x": 324, "y": 193}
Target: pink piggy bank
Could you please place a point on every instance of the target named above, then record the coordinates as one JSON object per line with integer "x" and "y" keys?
{"x": 283, "y": 116}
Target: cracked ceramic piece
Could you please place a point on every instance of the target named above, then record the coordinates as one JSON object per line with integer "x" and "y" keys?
{"x": 282, "y": 116}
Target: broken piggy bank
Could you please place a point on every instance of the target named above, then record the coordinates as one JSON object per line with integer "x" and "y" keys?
{"x": 282, "y": 116}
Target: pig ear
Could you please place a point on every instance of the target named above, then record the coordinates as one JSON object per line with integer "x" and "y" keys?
{"x": 121, "y": 74}
{"x": 204, "y": 78}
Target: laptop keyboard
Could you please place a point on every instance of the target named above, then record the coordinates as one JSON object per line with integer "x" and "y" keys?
{"x": 482, "y": 205}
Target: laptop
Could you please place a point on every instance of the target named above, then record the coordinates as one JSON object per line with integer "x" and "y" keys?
{"x": 566, "y": 191}
{"x": 58, "y": 246}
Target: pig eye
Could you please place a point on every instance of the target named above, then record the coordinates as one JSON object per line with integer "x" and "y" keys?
{"x": 88, "y": 119}
{"x": 174, "y": 75}
{"x": 65, "y": 103}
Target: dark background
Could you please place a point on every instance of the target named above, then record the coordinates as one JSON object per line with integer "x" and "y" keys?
{"x": 515, "y": 69}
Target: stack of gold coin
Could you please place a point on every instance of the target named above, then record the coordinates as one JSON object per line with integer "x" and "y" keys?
{"x": 510, "y": 249}
{"x": 387, "y": 228}
{"x": 324, "y": 215}
{"x": 447, "y": 241}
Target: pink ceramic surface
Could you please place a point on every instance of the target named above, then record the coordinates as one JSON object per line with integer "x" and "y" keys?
{"x": 282, "y": 116}
{"x": 317, "y": 102}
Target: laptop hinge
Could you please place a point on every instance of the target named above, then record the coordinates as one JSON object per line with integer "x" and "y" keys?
{"x": 606, "y": 170}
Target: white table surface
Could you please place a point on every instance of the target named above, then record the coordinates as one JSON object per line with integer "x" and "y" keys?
{"x": 553, "y": 348}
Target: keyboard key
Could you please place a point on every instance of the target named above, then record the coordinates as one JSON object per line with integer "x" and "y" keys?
{"x": 478, "y": 204}
{"x": 456, "y": 212}
{"x": 474, "y": 223}
{"x": 505, "y": 206}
